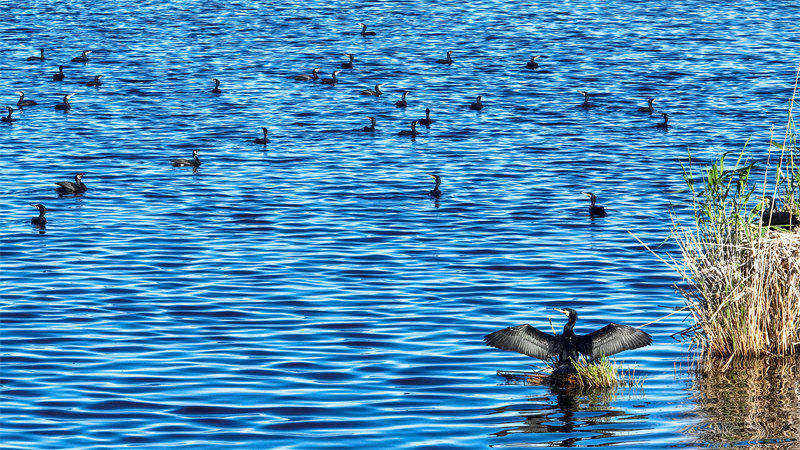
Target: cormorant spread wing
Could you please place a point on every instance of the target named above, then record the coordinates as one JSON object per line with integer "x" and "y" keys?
{"x": 527, "y": 340}
{"x": 612, "y": 338}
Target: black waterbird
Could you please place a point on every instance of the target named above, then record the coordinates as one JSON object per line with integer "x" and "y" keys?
{"x": 95, "y": 81}
{"x": 647, "y": 109}
{"x": 39, "y": 221}
{"x": 187, "y": 162}
{"x": 68, "y": 187}
{"x": 216, "y": 89}
{"x": 364, "y": 31}
{"x": 371, "y": 127}
{"x": 773, "y": 217}
{"x": 532, "y": 64}
{"x": 594, "y": 209}
{"x": 7, "y": 118}
{"x": 373, "y": 93}
{"x": 264, "y": 140}
{"x": 586, "y": 103}
{"x": 312, "y": 77}
{"x": 435, "y": 192}
{"x": 448, "y": 60}
{"x": 348, "y": 64}
{"x": 609, "y": 340}
{"x": 477, "y": 105}
{"x": 22, "y": 102}
{"x": 65, "y": 105}
{"x": 412, "y": 132}
{"x": 332, "y": 80}
{"x": 59, "y": 76}
{"x": 83, "y": 58}
{"x": 663, "y": 125}
{"x": 402, "y": 102}
{"x": 37, "y": 58}
{"x": 427, "y": 121}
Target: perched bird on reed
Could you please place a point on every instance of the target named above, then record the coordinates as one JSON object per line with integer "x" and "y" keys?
{"x": 568, "y": 346}
{"x": 594, "y": 210}
{"x": 773, "y": 217}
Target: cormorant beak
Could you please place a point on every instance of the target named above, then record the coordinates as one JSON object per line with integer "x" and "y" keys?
{"x": 562, "y": 311}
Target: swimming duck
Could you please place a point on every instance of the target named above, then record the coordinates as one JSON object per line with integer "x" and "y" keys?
{"x": 22, "y": 102}
{"x": 348, "y": 64}
{"x": 427, "y": 121}
{"x": 586, "y": 103}
{"x": 40, "y": 221}
{"x": 64, "y": 106}
{"x": 95, "y": 82}
{"x": 477, "y": 105}
{"x": 83, "y": 58}
{"x": 663, "y": 125}
{"x": 374, "y": 93}
{"x": 402, "y": 102}
{"x": 647, "y": 109}
{"x": 412, "y": 132}
{"x": 594, "y": 210}
{"x": 435, "y": 192}
{"x": 364, "y": 31}
{"x": 264, "y": 140}
{"x": 448, "y": 60}
{"x": 532, "y": 64}
{"x": 331, "y": 81}
{"x": 216, "y": 89}
{"x": 312, "y": 77}
{"x": 59, "y": 76}
{"x": 7, "y": 118}
{"x": 68, "y": 187}
{"x": 184, "y": 162}
{"x": 37, "y": 58}
{"x": 371, "y": 127}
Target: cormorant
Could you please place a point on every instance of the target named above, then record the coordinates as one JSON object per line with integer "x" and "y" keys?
{"x": 594, "y": 210}
{"x": 364, "y": 31}
{"x": 64, "y": 106}
{"x": 371, "y": 127}
{"x": 348, "y": 64}
{"x": 771, "y": 217}
{"x": 532, "y": 64}
{"x": 22, "y": 102}
{"x": 609, "y": 340}
{"x": 59, "y": 76}
{"x": 435, "y": 192}
{"x": 586, "y": 103}
{"x": 427, "y": 121}
{"x": 402, "y": 102}
{"x": 332, "y": 80}
{"x": 68, "y": 187}
{"x": 7, "y": 118}
{"x": 40, "y": 221}
{"x": 312, "y": 77}
{"x": 374, "y": 93}
{"x": 448, "y": 60}
{"x": 95, "y": 82}
{"x": 37, "y": 58}
{"x": 216, "y": 89}
{"x": 184, "y": 162}
{"x": 412, "y": 132}
{"x": 663, "y": 125}
{"x": 264, "y": 140}
{"x": 647, "y": 109}
{"x": 477, "y": 105}
{"x": 83, "y": 58}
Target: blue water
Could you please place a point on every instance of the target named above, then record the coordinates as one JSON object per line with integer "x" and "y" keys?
{"x": 309, "y": 293}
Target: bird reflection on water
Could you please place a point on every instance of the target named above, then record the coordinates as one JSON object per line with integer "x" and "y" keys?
{"x": 756, "y": 402}
{"x": 565, "y": 420}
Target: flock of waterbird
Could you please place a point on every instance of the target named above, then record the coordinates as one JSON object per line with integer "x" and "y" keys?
{"x": 524, "y": 338}
{"x": 77, "y": 187}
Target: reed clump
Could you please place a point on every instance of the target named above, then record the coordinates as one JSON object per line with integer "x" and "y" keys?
{"x": 743, "y": 277}
{"x": 580, "y": 376}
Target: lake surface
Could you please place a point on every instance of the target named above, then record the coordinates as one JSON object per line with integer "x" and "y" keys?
{"x": 309, "y": 293}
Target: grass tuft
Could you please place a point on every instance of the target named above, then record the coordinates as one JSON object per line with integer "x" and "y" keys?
{"x": 743, "y": 278}
{"x": 586, "y": 376}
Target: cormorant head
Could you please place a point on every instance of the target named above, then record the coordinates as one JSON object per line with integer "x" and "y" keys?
{"x": 449, "y": 52}
{"x": 372, "y": 120}
{"x": 336, "y": 72}
{"x": 363, "y": 26}
{"x": 592, "y": 197}
{"x": 194, "y": 152}
{"x": 436, "y": 178}
{"x": 40, "y": 207}
{"x": 427, "y": 111}
{"x": 20, "y": 94}
{"x": 60, "y": 68}
{"x": 650, "y": 101}
{"x": 316, "y": 69}
{"x": 264, "y": 130}
{"x": 79, "y": 176}
{"x": 569, "y": 312}
{"x": 478, "y": 98}
{"x": 665, "y": 116}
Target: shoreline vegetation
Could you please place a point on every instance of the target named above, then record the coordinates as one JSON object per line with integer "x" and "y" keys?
{"x": 741, "y": 272}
